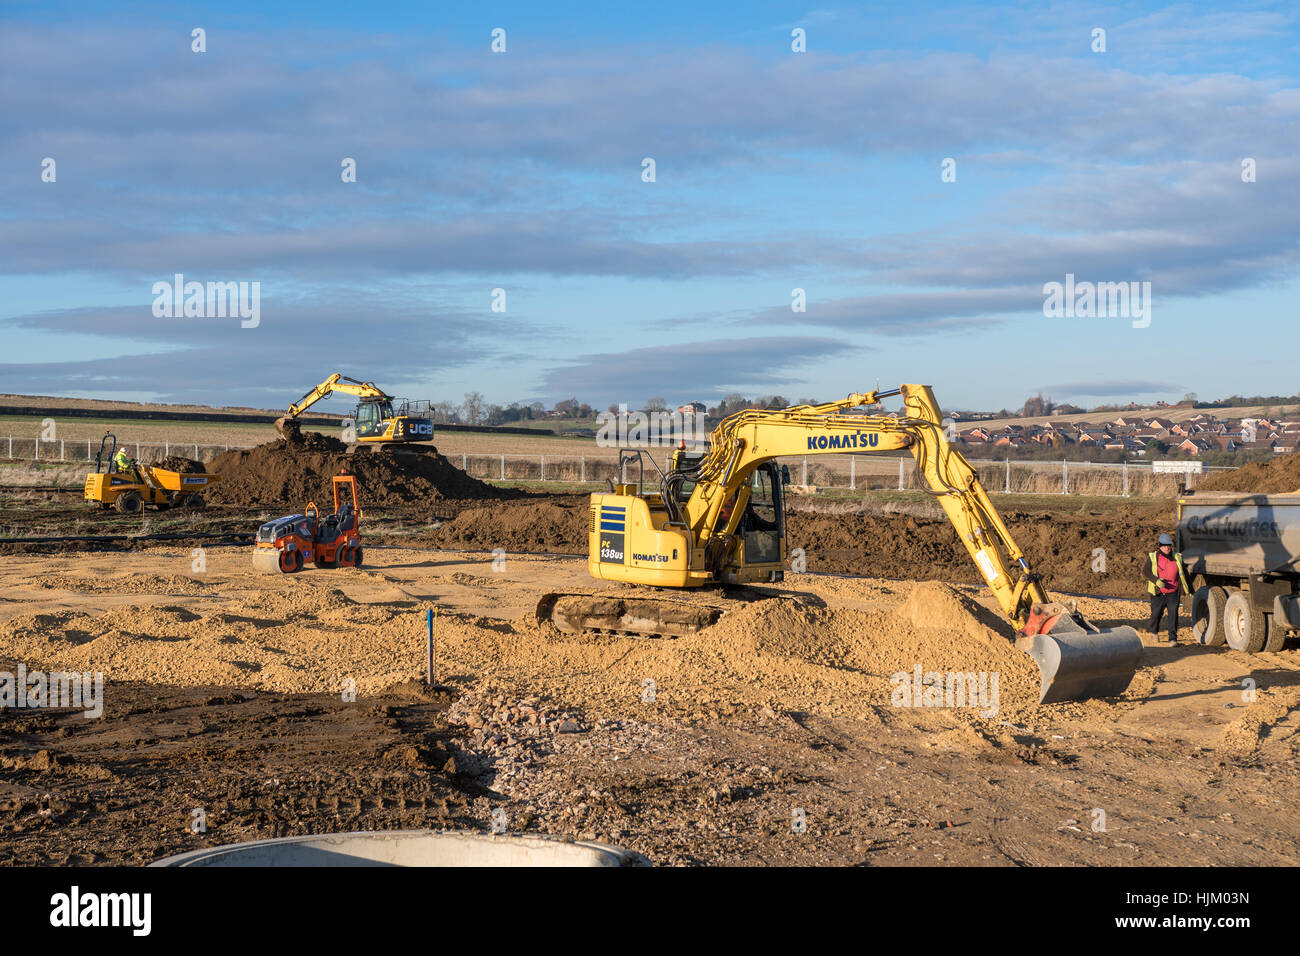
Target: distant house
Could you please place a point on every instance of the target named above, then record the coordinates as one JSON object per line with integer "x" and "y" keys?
{"x": 1193, "y": 446}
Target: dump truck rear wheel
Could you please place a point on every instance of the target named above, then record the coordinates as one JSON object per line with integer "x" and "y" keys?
{"x": 1207, "y": 615}
{"x": 130, "y": 503}
{"x": 1276, "y": 635}
{"x": 1245, "y": 625}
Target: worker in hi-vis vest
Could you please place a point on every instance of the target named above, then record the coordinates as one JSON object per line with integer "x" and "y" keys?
{"x": 1166, "y": 583}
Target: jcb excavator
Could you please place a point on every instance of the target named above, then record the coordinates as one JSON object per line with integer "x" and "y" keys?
{"x": 377, "y": 421}
{"x": 718, "y": 519}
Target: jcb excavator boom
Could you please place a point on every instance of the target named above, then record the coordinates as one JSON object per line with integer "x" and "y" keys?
{"x": 719, "y": 519}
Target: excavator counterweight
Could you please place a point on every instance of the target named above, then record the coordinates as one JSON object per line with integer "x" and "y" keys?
{"x": 718, "y": 519}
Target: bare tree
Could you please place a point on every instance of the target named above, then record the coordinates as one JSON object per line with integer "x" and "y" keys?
{"x": 474, "y": 408}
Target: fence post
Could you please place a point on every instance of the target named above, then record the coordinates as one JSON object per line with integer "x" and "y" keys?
{"x": 1007, "y": 487}
{"x": 1125, "y": 477}
{"x": 1065, "y": 478}
{"x": 462, "y": 461}
{"x": 196, "y": 452}
{"x": 87, "y": 449}
{"x": 167, "y": 450}
{"x": 582, "y": 468}
{"x": 137, "y": 451}
{"x": 805, "y": 465}
{"x": 36, "y": 455}
{"x": 853, "y": 477}
{"x": 503, "y": 467}
{"x": 11, "y": 446}
{"x": 900, "y": 474}
{"x": 61, "y": 449}
{"x": 543, "y": 467}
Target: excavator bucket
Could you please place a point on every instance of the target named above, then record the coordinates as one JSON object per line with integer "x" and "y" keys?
{"x": 288, "y": 428}
{"x": 1076, "y": 659}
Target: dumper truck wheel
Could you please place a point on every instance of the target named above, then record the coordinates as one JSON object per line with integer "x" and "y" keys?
{"x": 1276, "y": 635}
{"x": 130, "y": 503}
{"x": 196, "y": 502}
{"x": 1207, "y": 615}
{"x": 1246, "y": 626}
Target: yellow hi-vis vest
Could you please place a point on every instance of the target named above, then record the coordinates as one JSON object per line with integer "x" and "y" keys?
{"x": 1155, "y": 569}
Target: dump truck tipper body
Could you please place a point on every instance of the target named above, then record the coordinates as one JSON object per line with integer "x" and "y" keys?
{"x": 1243, "y": 554}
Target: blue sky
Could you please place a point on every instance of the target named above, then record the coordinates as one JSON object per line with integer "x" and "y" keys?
{"x": 775, "y": 170}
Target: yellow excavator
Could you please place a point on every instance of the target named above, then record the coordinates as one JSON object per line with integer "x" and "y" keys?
{"x": 718, "y": 519}
{"x": 378, "y": 420}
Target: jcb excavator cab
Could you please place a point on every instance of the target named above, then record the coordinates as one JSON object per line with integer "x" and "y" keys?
{"x": 372, "y": 417}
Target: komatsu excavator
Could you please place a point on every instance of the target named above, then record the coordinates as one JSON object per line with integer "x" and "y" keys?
{"x": 718, "y": 519}
{"x": 377, "y": 421}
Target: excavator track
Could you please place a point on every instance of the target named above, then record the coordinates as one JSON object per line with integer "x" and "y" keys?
{"x": 639, "y": 611}
{"x": 577, "y": 613}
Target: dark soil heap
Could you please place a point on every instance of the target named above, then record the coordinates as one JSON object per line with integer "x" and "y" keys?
{"x": 186, "y": 466}
{"x": 1277, "y": 476}
{"x": 289, "y": 473}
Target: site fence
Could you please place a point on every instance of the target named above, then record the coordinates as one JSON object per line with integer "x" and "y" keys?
{"x": 813, "y": 473}
{"x": 84, "y": 450}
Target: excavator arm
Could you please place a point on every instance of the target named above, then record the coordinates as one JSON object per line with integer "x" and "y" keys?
{"x": 337, "y": 382}
{"x": 1076, "y": 658}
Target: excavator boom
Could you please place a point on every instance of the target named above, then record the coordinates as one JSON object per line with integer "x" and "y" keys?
{"x": 729, "y": 528}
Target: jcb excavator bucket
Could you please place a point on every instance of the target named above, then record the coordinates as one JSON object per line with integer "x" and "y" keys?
{"x": 1078, "y": 660}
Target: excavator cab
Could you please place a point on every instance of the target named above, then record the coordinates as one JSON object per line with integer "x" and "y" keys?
{"x": 762, "y": 526}
{"x": 373, "y": 417}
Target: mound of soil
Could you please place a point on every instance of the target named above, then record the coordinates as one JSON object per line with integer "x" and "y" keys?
{"x": 290, "y": 473}
{"x": 520, "y": 526}
{"x": 859, "y": 653}
{"x": 1090, "y": 554}
{"x": 1277, "y": 476}
{"x": 186, "y": 466}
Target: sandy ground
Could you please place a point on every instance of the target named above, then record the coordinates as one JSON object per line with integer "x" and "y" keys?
{"x": 774, "y": 736}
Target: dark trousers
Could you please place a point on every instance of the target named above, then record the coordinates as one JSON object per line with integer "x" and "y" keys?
{"x": 1160, "y": 603}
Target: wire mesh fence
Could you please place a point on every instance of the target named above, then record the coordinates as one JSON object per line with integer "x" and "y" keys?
{"x": 853, "y": 472}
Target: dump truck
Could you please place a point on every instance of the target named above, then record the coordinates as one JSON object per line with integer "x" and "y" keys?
{"x": 717, "y": 518}
{"x": 1242, "y": 555}
{"x": 139, "y": 485}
